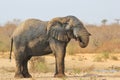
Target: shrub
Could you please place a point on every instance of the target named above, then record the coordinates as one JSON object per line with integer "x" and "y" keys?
{"x": 105, "y": 55}
{"x": 97, "y": 58}
{"x": 113, "y": 57}
{"x": 101, "y": 57}
{"x": 103, "y": 39}
{"x": 37, "y": 64}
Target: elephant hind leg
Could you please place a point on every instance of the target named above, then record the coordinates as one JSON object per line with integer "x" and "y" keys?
{"x": 25, "y": 68}
{"x": 18, "y": 73}
{"x": 19, "y": 67}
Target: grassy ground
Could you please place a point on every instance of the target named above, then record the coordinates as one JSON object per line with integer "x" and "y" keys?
{"x": 77, "y": 67}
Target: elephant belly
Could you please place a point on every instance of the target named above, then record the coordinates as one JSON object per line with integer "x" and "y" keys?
{"x": 40, "y": 51}
{"x": 39, "y": 48}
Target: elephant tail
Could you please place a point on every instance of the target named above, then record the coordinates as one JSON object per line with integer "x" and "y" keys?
{"x": 11, "y": 49}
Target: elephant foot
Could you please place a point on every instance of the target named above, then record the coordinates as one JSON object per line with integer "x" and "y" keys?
{"x": 27, "y": 75}
{"x": 18, "y": 75}
{"x": 59, "y": 75}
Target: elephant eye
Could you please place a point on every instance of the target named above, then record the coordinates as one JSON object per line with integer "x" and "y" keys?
{"x": 89, "y": 34}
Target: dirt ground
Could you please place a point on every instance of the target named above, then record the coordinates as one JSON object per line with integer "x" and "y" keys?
{"x": 77, "y": 67}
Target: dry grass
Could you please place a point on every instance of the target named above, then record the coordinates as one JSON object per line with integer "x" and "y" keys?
{"x": 37, "y": 64}
{"x": 104, "y": 39}
{"x": 104, "y": 57}
{"x": 75, "y": 69}
{"x": 114, "y": 57}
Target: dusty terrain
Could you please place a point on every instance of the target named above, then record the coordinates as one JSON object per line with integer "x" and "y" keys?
{"x": 78, "y": 67}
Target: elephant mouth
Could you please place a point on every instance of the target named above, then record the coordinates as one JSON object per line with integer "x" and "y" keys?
{"x": 81, "y": 42}
{"x": 79, "y": 39}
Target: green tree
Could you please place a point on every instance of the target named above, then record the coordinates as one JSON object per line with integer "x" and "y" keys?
{"x": 104, "y": 21}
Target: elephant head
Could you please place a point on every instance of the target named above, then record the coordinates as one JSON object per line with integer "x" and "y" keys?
{"x": 65, "y": 28}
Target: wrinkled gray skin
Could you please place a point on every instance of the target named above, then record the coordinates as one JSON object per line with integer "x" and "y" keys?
{"x": 32, "y": 38}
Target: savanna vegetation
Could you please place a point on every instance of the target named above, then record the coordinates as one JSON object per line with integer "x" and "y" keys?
{"x": 104, "y": 38}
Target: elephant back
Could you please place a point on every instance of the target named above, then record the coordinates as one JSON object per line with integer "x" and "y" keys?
{"x": 29, "y": 30}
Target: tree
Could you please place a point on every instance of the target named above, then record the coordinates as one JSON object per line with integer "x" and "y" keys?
{"x": 117, "y": 21}
{"x": 9, "y": 28}
{"x": 16, "y": 21}
{"x": 104, "y": 21}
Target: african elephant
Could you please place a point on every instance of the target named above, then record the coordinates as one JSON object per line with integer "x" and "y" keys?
{"x": 36, "y": 38}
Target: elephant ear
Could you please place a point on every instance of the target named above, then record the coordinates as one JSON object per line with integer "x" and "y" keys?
{"x": 57, "y": 29}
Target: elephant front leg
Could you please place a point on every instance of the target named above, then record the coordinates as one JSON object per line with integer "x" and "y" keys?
{"x": 59, "y": 65}
{"x": 59, "y": 49}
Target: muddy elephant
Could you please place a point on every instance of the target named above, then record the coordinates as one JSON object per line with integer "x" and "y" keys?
{"x": 34, "y": 37}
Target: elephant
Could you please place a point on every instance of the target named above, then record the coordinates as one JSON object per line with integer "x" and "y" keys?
{"x": 34, "y": 37}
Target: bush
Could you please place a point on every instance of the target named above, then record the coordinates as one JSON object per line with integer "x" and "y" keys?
{"x": 114, "y": 57}
{"x": 37, "y": 64}
{"x": 104, "y": 56}
{"x": 103, "y": 39}
{"x": 97, "y": 58}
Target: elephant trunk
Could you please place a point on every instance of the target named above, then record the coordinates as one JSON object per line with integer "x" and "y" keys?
{"x": 83, "y": 41}
{"x": 82, "y": 36}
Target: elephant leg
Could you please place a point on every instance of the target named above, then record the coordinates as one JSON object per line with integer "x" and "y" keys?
{"x": 19, "y": 68}
{"x": 25, "y": 68}
{"x": 59, "y": 57}
{"x": 59, "y": 49}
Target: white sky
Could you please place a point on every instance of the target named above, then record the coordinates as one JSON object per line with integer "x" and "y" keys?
{"x": 88, "y": 11}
